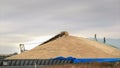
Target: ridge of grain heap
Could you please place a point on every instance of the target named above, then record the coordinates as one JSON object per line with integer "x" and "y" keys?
{"x": 61, "y": 34}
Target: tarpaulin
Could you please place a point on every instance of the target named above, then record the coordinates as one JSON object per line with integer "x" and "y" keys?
{"x": 85, "y": 60}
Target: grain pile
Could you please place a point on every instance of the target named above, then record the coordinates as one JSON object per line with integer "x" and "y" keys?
{"x": 66, "y": 45}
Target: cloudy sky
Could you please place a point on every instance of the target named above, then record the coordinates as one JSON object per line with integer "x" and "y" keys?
{"x": 32, "y": 21}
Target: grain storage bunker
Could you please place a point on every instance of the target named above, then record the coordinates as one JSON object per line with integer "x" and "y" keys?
{"x": 66, "y": 45}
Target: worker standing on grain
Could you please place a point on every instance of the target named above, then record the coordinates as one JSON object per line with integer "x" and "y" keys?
{"x": 104, "y": 40}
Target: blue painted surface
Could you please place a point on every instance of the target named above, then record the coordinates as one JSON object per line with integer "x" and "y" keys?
{"x": 85, "y": 60}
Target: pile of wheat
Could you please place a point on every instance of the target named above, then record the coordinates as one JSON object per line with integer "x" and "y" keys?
{"x": 70, "y": 46}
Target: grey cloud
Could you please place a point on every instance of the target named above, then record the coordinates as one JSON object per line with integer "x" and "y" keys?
{"x": 8, "y": 49}
{"x": 46, "y": 17}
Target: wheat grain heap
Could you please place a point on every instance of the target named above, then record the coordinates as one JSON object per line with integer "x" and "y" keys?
{"x": 65, "y": 45}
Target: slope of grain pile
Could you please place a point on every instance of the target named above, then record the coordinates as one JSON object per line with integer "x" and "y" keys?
{"x": 66, "y": 45}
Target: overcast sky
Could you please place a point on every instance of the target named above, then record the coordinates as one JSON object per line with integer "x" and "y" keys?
{"x": 30, "y": 21}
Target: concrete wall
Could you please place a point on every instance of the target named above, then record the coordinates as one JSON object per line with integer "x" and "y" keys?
{"x": 27, "y": 62}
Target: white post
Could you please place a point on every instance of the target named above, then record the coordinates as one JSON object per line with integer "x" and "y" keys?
{"x": 35, "y": 65}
